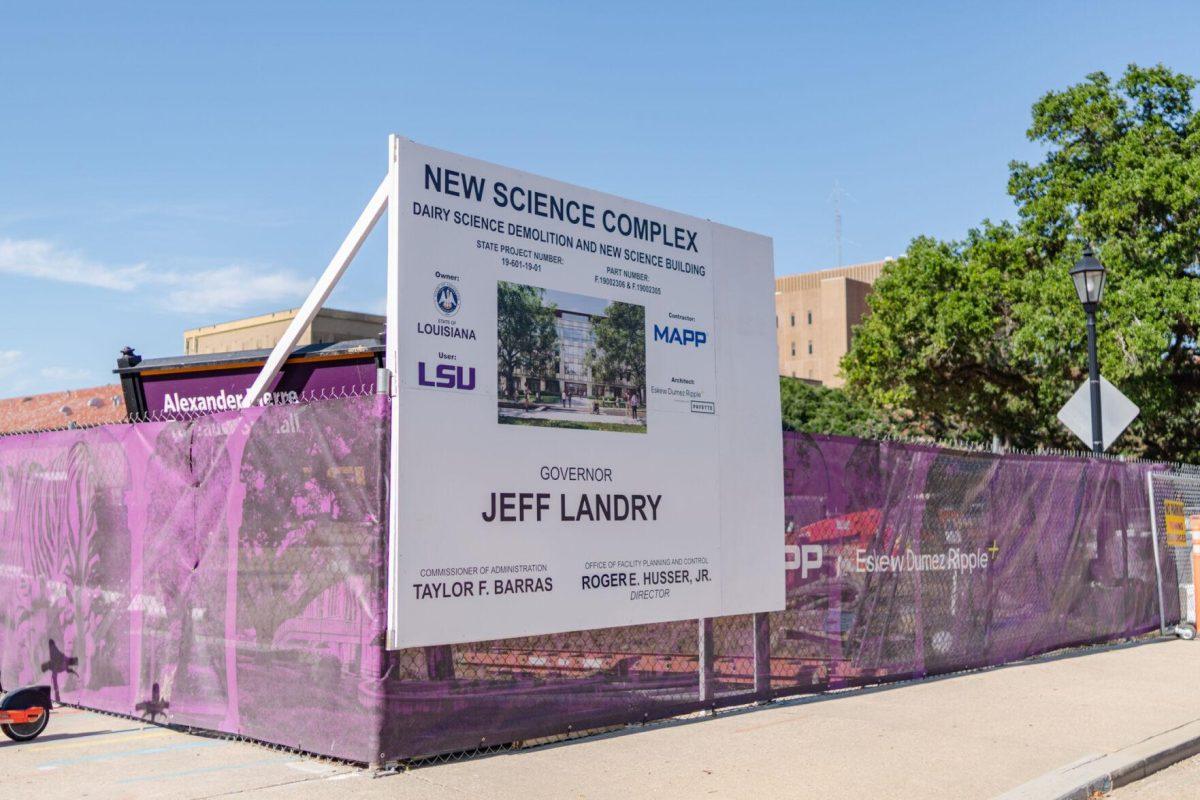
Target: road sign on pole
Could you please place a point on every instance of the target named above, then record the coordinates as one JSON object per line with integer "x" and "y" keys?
{"x": 1116, "y": 412}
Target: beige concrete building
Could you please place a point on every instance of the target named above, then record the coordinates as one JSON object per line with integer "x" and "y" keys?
{"x": 815, "y": 314}
{"x": 264, "y": 331}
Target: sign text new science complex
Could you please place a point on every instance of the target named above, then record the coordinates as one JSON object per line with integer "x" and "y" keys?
{"x": 586, "y": 423}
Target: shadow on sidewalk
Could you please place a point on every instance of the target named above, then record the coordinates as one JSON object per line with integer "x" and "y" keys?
{"x": 788, "y": 702}
{"x": 52, "y": 737}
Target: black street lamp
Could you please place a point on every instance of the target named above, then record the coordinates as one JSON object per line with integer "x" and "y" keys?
{"x": 1088, "y": 274}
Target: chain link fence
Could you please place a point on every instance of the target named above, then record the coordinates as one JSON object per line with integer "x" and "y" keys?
{"x": 1175, "y": 514}
{"x": 901, "y": 561}
{"x": 228, "y": 572}
{"x": 218, "y": 572}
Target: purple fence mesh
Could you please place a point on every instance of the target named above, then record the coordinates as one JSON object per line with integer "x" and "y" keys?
{"x": 1068, "y": 545}
{"x": 220, "y": 573}
{"x": 227, "y": 573}
{"x": 1069, "y": 561}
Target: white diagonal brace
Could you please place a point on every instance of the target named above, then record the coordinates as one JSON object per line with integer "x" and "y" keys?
{"x": 320, "y": 293}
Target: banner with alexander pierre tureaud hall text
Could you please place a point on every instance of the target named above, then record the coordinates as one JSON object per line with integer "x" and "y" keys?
{"x": 586, "y": 427}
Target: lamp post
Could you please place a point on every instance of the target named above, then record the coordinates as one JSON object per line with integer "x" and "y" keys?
{"x": 1088, "y": 275}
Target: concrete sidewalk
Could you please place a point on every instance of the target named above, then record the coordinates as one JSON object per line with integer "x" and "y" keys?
{"x": 969, "y": 736}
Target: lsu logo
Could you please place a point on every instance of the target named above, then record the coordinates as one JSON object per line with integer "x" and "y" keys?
{"x": 445, "y": 297}
{"x": 447, "y": 376}
{"x": 681, "y": 336}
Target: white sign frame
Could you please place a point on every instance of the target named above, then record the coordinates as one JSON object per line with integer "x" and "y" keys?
{"x": 752, "y": 450}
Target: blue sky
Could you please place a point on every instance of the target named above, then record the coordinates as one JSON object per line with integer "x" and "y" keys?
{"x": 170, "y": 165}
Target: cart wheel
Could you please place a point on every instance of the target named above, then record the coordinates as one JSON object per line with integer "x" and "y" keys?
{"x": 1186, "y": 631}
{"x": 26, "y": 731}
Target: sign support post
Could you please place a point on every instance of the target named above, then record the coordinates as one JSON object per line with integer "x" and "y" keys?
{"x": 762, "y": 655}
{"x": 392, "y": 360}
{"x": 386, "y": 197}
{"x": 707, "y": 659}
{"x": 319, "y": 294}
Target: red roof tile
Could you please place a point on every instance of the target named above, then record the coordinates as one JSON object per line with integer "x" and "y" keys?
{"x": 93, "y": 406}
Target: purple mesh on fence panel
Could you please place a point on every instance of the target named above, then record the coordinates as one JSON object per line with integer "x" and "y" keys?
{"x": 1069, "y": 561}
{"x": 227, "y": 573}
{"x": 223, "y": 573}
{"x": 895, "y": 536}
{"x": 465, "y": 696}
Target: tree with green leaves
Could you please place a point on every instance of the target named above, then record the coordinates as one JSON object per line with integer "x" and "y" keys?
{"x": 821, "y": 409}
{"x": 619, "y": 353}
{"x": 985, "y": 336}
{"x": 527, "y": 340}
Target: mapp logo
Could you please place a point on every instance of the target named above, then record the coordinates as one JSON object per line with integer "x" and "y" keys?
{"x": 682, "y": 336}
{"x": 447, "y": 376}
{"x": 804, "y": 557}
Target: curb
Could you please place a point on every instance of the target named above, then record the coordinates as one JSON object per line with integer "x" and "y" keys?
{"x": 1105, "y": 772}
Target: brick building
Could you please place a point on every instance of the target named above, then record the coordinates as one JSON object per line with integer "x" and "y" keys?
{"x": 815, "y": 314}
{"x": 102, "y": 404}
{"x": 263, "y": 331}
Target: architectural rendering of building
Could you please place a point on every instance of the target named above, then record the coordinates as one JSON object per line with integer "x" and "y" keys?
{"x": 571, "y": 372}
{"x": 815, "y": 315}
{"x": 553, "y": 368}
{"x": 572, "y": 362}
{"x": 575, "y": 339}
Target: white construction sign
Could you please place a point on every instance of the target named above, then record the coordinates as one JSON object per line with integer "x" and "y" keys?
{"x": 586, "y": 427}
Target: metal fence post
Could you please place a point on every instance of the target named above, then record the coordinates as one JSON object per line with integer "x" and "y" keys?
{"x": 439, "y": 662}
{"x": 707, "y": 676}
{"x": 1162, "y": 613}
{"x": 762, "y": 655}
